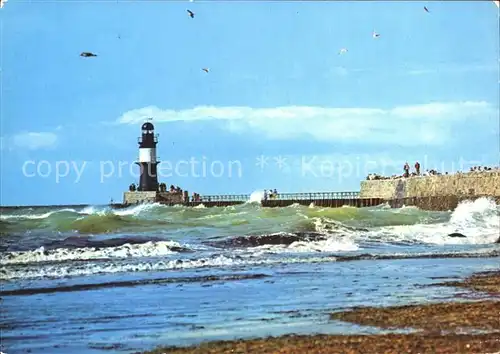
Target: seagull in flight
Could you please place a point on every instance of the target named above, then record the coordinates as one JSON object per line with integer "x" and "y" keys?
{"x": 426, "y": 9}
{"x": 2, "y": 3}
{"x": 88, "y": 54}
{"x": 375, "y": 34}
{"x": 343, "y": 51}
{"x": 205, "y": 70}
{"x": 191, "y": 13}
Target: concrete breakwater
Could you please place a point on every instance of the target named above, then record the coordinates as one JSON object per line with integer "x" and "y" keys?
{"x": 326, "y": 203}
{"x": 484, "y": 183}
{"x": 440, "y": 193}
{"x": 437, "y": 192}
{"x": 436, "y": 203}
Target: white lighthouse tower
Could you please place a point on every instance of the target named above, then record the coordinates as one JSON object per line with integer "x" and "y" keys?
{"x": 147, "y": 159}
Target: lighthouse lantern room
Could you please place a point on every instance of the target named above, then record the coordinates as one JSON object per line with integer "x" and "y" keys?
{"x": 147, "y": 159}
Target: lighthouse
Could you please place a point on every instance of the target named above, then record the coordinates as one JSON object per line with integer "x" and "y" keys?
{"x": 147, "y": 159}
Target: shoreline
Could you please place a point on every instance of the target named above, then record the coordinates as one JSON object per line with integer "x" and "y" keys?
{"x": 446, "y": 327}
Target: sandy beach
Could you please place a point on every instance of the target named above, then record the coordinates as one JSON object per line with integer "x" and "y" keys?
{"x": 451, "y": 327}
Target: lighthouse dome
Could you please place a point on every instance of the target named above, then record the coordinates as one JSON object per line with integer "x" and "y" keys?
{"x": 148, "y": 126}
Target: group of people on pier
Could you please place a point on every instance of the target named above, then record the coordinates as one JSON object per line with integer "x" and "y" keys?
{"x": 432, "y": 172}
{"x": 406, "y": 173}
{"x": 176, "y": 189}
{"x": 273, "y": 194}
{"x": 162, "y": 187}
{"x": 483, "y": 168}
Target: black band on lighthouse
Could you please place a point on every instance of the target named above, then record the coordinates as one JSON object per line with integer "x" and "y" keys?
{"x": 147, "y": 159}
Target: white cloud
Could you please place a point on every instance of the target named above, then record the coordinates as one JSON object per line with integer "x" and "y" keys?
{"x": 414, "y": 70}
{"x": 451, "y": 68}
{"x": 406, "y": 125}
{"x": 344, "y": 71}
{"x": 339, "y": 71}
{"x": 421, "y": 71}
{"x": 35, "y": 140}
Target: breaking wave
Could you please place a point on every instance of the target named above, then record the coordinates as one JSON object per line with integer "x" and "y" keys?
{"x": 73, "y": 269}
{"x": 125, "y": 250}
{"x": 94, "y": 240}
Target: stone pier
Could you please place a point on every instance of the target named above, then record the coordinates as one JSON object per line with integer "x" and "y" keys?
{"x": 153, "y": 197}
{"x": 460, "y": 185}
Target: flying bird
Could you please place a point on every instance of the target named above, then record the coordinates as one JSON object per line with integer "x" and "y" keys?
{"x": 375, "y": 34}
{"x": 343, "y": 51}
{"x": 205, "y": 70}
{"x": 2, "y": 3}
{"x": 87, "y": 54}
{"x": 426, "y": 9}
{"x": 191, "y": 13}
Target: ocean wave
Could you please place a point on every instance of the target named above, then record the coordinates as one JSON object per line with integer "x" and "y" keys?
{"x": 478, "y": 221}
{"x": 65, "y": 270}
{"x": 106, "y": 220}
{"x": 327, "y": 245}
{"x": 301, "y": 242}
{"x": 271, "y": 239}
{"x": 126, "y": 250}
{"x": 36, "y": 216}
{"x": 97, "y": 243}
{"x": 308, "y": 227}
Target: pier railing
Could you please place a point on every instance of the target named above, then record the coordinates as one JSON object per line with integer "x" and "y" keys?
{"x": 314, "y": 196}
{"x": 282, "y": 196}
{"x": 225, "y": 198}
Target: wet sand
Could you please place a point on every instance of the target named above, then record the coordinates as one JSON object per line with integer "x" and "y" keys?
{"x": 438, "y": 328}
{"x": 488, "y": 282}
{"x": 438, "y": 318}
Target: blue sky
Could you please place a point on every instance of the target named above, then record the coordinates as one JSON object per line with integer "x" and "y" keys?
{"x": 427, "y": 89}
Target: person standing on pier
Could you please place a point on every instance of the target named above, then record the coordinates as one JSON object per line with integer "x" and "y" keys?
{"x": 406, "y": 169}
{"x": 417, "y": 168}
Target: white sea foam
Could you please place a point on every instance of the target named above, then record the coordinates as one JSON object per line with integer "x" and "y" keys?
{"x": 478, "y": 220}
{"x": 256, "y": 197}
{"x": 329, "y": 245}
{"x": 148, "y": 249}
{"x": 89, "y": 210}
{"x": 61, "y": 270}
{"x": 35, "y": 216}
{"x": 88, "y": 268}
{"x": 137, "y": 210}
{"x": 327, "y": 226}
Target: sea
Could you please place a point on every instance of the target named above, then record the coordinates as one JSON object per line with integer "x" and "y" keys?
{"x": 101, "y": 280}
